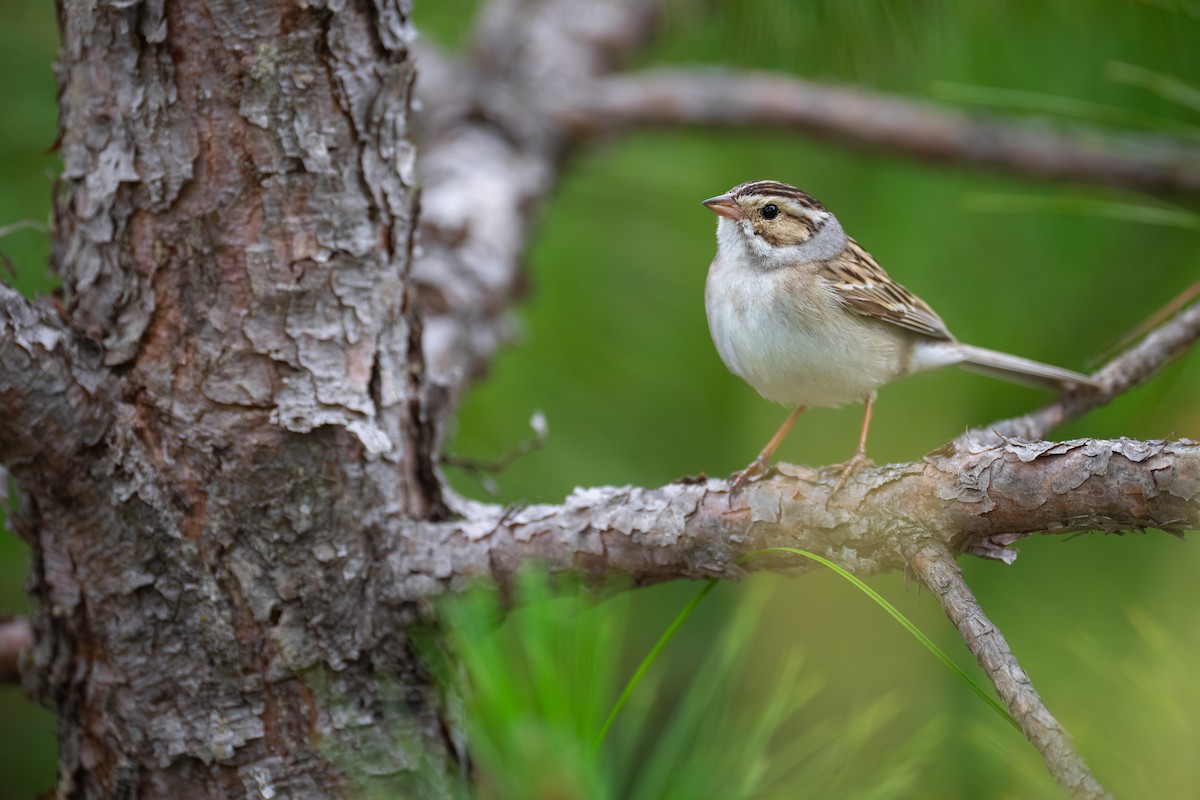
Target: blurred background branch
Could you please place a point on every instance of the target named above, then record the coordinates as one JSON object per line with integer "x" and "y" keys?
{"x": 890, "y": 124}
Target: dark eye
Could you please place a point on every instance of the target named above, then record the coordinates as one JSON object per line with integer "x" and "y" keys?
{"x": 770, "y": 211}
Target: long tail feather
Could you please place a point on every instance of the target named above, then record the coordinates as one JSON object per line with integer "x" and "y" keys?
{"x": 1022, "y": 370}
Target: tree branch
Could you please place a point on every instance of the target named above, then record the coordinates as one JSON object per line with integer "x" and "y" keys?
{"x": 494, "y": 140}
{"x": 979, "y": 501}
{"x": 936, "y": 568}
{"x": 53, "y": 388}
{"x": 882, "y": 122}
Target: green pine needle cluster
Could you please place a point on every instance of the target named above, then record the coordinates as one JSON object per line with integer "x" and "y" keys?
{"x": 533, "y": 686}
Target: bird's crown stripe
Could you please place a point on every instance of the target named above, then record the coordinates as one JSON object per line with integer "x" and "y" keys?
{"x": 776, "y": 189}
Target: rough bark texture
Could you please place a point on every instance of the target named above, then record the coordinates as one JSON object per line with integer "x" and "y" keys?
{"x": 233, "y": 229}
{"x": 225, "y": 432}
{"x": 936, "y": 568}
{"x": 54, "y": 393}
{"x": 971, "y": 500}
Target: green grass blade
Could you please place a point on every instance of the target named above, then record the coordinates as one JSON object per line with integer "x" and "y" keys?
{"x": 651, "y": 657}
{"x": 907, "y": 625}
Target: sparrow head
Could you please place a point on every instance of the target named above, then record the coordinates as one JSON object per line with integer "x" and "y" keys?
{"x": 775, "y": 224}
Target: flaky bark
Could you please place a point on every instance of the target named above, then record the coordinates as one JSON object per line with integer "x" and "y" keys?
{"x": 226, "y": 433}
{"x": 233, "y": 235}
{"x": 977, "y": 501}
{"x": 54, "y": 393}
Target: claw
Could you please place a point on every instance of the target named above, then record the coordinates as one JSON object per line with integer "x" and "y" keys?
{"x": 762, "y": 465}
{"x": 856, "y": 462}
{"x": 756, "y": 469}
{"x": 859, "y": 459}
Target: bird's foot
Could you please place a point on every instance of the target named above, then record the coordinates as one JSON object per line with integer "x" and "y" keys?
{"x": 848, "y": 468}
{"x": 756, "y": 469}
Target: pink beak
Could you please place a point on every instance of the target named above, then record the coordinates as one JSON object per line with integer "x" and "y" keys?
{"x": 724, "y": 206}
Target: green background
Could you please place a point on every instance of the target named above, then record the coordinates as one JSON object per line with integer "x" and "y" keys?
{"x": 614, "y": 349}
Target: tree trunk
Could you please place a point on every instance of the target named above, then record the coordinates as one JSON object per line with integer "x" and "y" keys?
{"x": 234, "y": 227}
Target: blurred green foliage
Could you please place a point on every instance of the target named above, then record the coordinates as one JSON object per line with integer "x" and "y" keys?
{"x": 614, "y": 350}
{"x": 535, "y": 685}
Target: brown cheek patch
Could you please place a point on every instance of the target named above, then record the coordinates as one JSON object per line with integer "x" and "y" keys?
{"x": 786, "y": 230}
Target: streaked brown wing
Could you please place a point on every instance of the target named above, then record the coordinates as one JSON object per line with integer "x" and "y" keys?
{"x": 865, "y": 288}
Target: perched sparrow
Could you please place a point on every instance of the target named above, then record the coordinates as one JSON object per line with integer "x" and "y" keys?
{"x": 803, "y": 314}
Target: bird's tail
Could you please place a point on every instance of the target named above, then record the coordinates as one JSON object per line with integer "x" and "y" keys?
{"x": 1022, "y": 370}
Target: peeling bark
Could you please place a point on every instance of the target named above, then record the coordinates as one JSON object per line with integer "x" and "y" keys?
{"x": 978, "y": 501}
{"x": 233, "y": 231}
{"x": 54, "y": 393}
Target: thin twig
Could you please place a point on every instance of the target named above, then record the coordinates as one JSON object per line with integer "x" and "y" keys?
{"x": 883, "y": 122}
{"x": 476, "y": 467}
{"x": 1155, "y": 320}
{"x": 936, "y": 568}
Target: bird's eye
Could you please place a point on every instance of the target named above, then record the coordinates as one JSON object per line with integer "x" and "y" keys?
{"x": 770, "y": 211}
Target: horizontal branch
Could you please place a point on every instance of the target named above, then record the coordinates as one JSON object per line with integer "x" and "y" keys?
{"x": 935, "y": 567}
{"x": 883, "y": 122}
{"x": 52, "y": 386}
{"x": 975, "y": 501}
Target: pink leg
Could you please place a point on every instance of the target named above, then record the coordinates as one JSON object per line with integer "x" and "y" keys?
{"x": 762, "y": 464}
{"x": 859, "y": 458}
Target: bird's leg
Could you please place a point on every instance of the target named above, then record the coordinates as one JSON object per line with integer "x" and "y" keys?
{"x": 859, "y": 459}
{"x": 762, "y": 464}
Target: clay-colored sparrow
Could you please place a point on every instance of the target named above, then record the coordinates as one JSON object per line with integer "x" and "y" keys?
{"x": 803, "y": 314}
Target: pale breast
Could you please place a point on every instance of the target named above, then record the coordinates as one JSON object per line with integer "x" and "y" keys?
{"x": 784, "y": 333}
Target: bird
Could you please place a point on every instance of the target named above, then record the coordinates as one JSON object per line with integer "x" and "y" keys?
{"x": 806, "y": 316}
